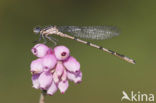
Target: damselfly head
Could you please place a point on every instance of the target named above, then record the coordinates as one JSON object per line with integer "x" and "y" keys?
{"x": 37, "y": 30}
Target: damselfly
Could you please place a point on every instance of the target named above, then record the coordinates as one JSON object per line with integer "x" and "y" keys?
{"x": 88, "y": 32}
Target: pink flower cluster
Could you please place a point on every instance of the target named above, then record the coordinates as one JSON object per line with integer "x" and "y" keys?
{"x": 53, "y": 68}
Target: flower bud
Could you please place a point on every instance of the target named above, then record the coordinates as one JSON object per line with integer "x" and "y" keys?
{"x": 36, "y": 66}
{"x": 40, "y": 50}
{"x": 61, "y": 52}
{"x": 49, "y": 61}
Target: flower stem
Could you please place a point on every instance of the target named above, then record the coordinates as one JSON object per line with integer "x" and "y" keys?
{"x": 42, "y": 97}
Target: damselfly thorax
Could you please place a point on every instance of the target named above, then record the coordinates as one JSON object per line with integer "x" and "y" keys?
{"x": 49, "y": 30}
{"x": 87, "y": 32}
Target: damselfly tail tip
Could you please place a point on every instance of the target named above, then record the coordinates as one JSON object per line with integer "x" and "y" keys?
{"x": 130, "y": 60}
{"x": 133, "y": 62}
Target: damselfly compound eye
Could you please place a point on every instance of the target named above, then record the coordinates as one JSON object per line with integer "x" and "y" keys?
{"x": 37, "y": 30}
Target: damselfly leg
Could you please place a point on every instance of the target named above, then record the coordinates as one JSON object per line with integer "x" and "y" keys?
{"x": 38, "y": 39}
{"x": 53, "y": 40}
{"x": 45, "y": 41}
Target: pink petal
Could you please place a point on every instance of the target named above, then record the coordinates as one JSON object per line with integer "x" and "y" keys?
{"x": 63, "y": 86}
{"x": 64, "y": 76}
{"x": 58, "y": 72}
{"x": 49, "y": 61}
{"x": 76, "y": 78}
{"x": 36, "y": 66}
{"x": 55, "y": 78}
{"x": 45, "y": 80}
{"x": 59, "y": 68}
{"x": 72, "y": 64}
{"x": 61, "y": 52}
{"x": 40, "y": 50}
{"x": 52, "y": 89}
{"x": 35, "y": 81}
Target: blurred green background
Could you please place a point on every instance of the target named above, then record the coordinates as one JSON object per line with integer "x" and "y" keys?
{"x": 104, "y": 76}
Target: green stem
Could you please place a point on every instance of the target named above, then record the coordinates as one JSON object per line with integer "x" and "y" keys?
{"x": 42, "y": 97}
